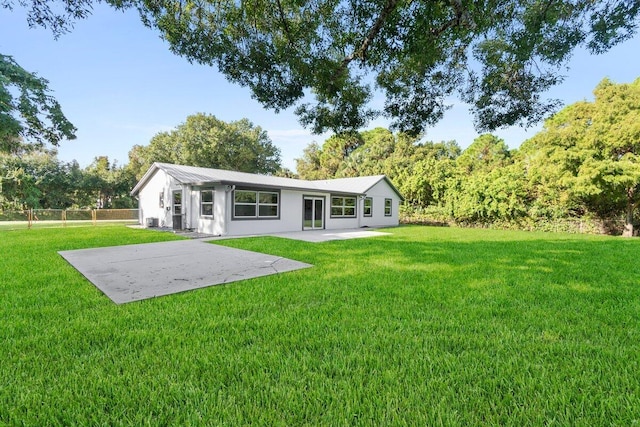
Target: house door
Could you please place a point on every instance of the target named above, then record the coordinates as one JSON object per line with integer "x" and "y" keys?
{"x": 177, "y": 209}
{"x": 313, "y": 213}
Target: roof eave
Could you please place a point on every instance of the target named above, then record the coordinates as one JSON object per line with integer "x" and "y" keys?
{"x": 285, "y": 187}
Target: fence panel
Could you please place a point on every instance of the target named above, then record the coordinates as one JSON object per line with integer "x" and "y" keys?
{"x": 41, "y": 218}
{"x": 79, "y": 215}
{"x": 116, "y": 214}
{"x": 47, "y": 214}
{"x": 9, "y": 216}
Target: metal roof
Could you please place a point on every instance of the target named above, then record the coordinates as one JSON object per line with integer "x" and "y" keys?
{"x": 194, "y": 175}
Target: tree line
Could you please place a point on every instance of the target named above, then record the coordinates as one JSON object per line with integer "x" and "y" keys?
{"x": 585, "y": 163}
{"x": 37, "y": 179}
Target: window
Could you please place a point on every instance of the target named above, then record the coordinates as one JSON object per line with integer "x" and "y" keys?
{"x": 256, "y": 204}
{"x": 206, "y": 202}
{"x": 388, "y": 203}
{"x": 368, "y": 206}
{"x": 177, "y": 202}
{"x": 343, "y": 207}
{"x": 267, "y": 204}
{"x": 245, "y": 203}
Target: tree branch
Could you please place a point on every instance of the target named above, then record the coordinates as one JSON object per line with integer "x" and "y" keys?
{"x": 285, "y": 25}
{"x": 462, "y": 17}
{"x": 361, "y": 52}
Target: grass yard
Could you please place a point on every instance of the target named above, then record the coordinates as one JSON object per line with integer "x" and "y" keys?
{"x": 429, "y": 326}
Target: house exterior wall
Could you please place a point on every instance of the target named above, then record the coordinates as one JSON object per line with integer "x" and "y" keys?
{"x": 290, "y": 217}
{"x": 379, "y": 193}
{"x": 341, "y": 223}
{"x": 149, "y": 199}
{"x": 214, "y": 224}
{"x": 291, "y": 213}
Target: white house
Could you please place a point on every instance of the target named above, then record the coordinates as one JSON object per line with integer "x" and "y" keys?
{"x": 222, "y": 202}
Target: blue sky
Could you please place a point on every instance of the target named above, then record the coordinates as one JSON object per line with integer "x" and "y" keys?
{"x": 119, "y": 84}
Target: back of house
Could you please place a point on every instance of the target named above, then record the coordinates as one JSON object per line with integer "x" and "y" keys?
{"x": 229, "y": 203}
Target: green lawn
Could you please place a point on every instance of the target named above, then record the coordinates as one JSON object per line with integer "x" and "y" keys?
{"x": 429, "y": 326}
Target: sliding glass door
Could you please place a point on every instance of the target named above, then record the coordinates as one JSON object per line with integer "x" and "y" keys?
{"x": 313, "y": 213}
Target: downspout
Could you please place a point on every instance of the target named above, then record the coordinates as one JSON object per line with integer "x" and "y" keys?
{"x": 186, "y": 211}
{"x": 228, "y": 205}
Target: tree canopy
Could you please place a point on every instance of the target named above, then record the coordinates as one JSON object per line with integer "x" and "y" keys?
{"x": 498, "y": 55}
{"x": 32, "y": 114}
{"x": 594, "y": 148}
{"x": 203, "y": 140}
{"x": 329, "y": 58}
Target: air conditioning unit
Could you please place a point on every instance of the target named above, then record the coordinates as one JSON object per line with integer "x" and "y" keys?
{"x": 152, "y": 222}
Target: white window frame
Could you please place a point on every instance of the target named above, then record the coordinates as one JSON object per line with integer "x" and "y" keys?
{"x": 388, "y": 207}
{"x": 203, "y": 203}
{"x": 365, "y": 207}
{"x": 343, "y": 206}
{"x": 257, "y": 204}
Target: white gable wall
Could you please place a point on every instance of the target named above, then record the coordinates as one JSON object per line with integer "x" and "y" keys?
{"x": 379, "y": 192}
{"x": 149, "y": 199}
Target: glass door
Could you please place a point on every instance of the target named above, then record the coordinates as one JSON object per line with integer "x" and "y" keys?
{"x": 177, "y": 210}
{"x": 313, "y": 213}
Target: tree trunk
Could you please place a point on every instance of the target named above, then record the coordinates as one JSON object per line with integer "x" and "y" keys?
{"x": 628, "y": 226}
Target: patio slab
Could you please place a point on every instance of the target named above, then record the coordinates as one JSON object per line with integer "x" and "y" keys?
{"x": 137, "y": 272}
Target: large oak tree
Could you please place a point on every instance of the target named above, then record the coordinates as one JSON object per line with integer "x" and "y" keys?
{"x": 498, "y": 55}
{"x": 203, "y": 140}
{"x": 330, "y": 57}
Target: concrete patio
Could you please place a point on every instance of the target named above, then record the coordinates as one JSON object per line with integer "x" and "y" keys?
{"x": 136, "y": 272}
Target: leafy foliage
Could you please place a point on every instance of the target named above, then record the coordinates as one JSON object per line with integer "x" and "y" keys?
{"x": 59, "y": 17}
{"x": 498, "y": 55}
{"x": 37, "y": 179}
{"x": 203, "y": 140}
{"x": 32, "y": 114}
{"x": 596, "y": 150}
{"x": 584, "y": 164}
{"x": 107, "y": 185}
